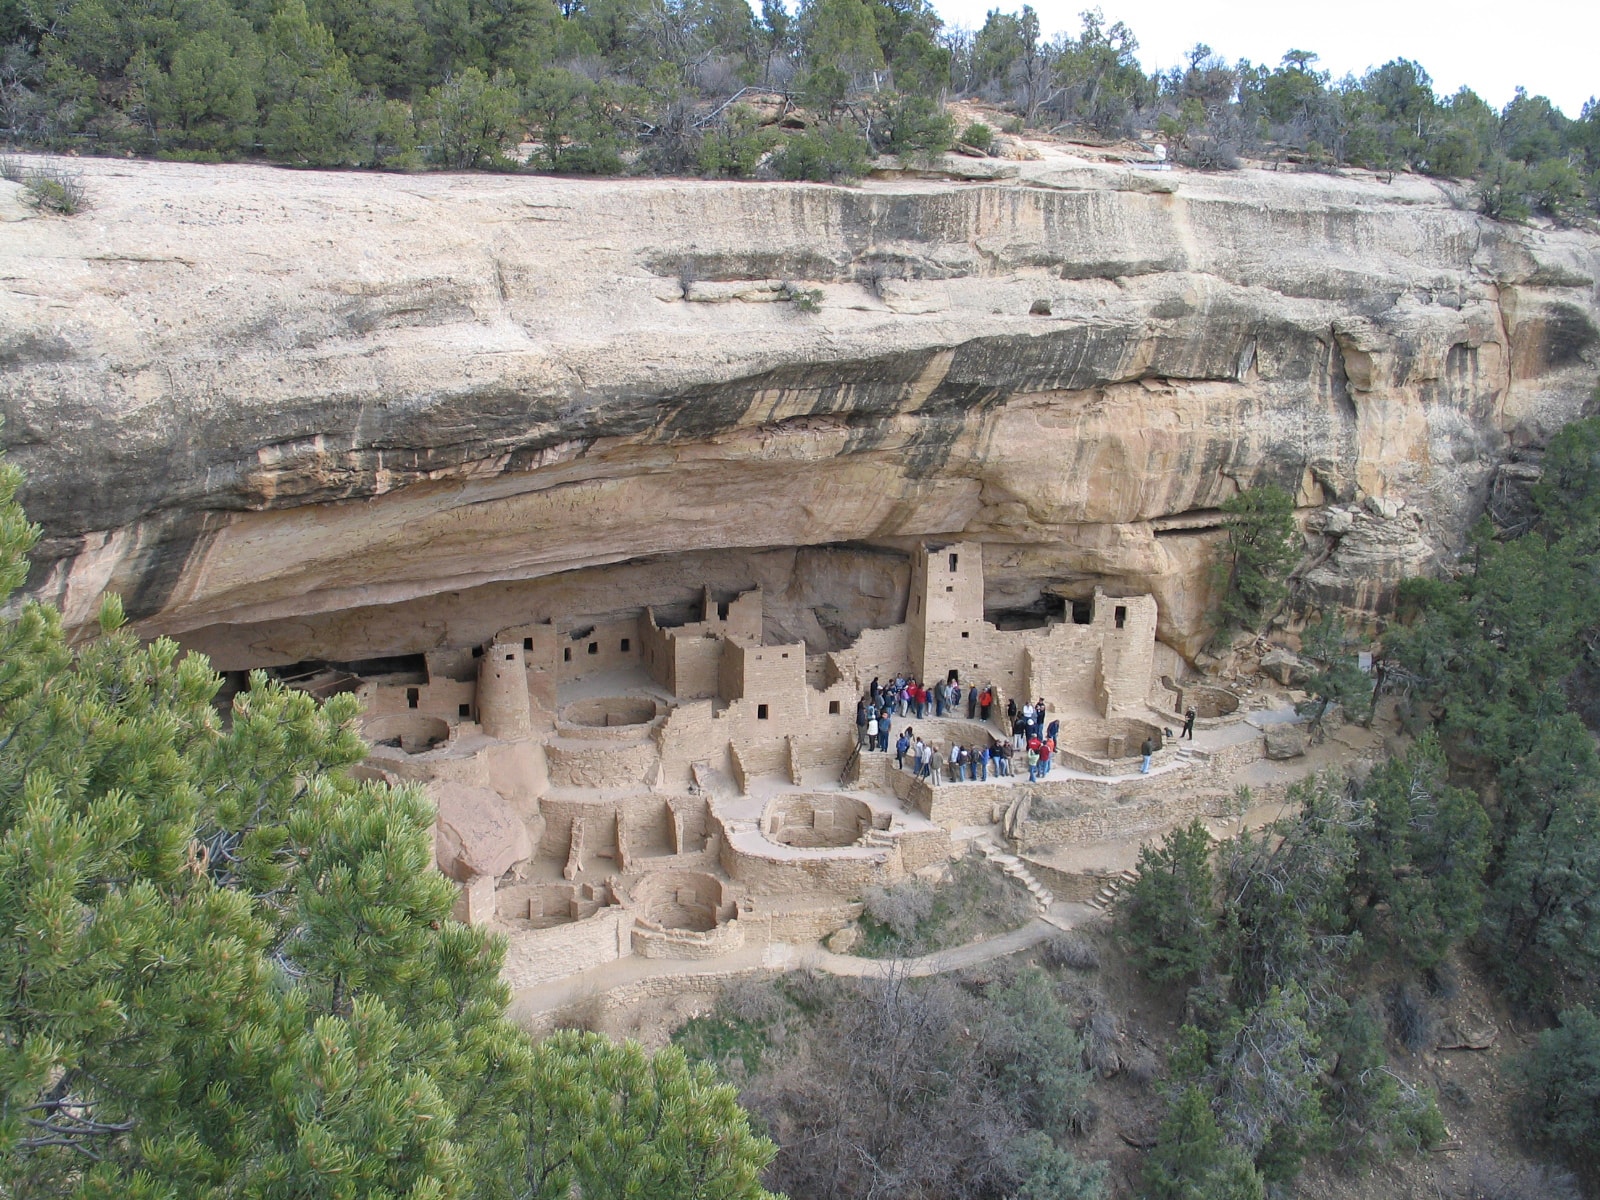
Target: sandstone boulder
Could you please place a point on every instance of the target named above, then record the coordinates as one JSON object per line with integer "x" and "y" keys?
{"x": 478, "y": 833}
{"x": 1286, "y": 741}
{"x": 1285, "y": 666}
{"x": 842, "y": 941}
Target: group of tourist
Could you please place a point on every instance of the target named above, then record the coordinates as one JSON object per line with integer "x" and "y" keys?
{"x": 1031, "y": 737}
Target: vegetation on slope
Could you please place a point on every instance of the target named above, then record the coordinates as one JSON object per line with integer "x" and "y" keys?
{"x": 666, "y": 86}
{"x": 1483, "y": 836}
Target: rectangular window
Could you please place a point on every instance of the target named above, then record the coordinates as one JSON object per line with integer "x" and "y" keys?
{"x": 413, "y": 697}
{"x": 625, "y": 644}
{"x": 477, "y": 652}
{"x": 566, "y": 654}
{"x": 949, "y": 589}
{"x": 965, "y": 634}
{"x": 512, "y": 657}
{"x": 463, "y": 710}
{"x": 594, "y": 647}
{"x": 761, "y": 712}
{"x": 722, "y": 612}
{"x": 953, "y": 559}
{"x": 833, "y": 708}
{"x": 527, "y": 643}
{"x": 1121, "y": 615}
{"x": 786, "y": 654}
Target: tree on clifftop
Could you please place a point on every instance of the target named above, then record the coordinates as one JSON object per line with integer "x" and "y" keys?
{"x": 229, "y": 968}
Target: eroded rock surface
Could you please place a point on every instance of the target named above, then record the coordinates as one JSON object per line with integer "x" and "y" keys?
{"x": 293, "y": 414}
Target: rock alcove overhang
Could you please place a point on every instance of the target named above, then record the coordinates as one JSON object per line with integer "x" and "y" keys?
{"x": 309, "y": 410}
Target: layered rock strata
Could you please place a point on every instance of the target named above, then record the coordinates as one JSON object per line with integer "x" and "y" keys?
{"x": 292, "y": 415}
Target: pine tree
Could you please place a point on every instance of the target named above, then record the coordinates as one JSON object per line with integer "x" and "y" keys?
{"x": 1258, "y": 554}
{"x": 1191, "y": 1161}
{"x": 1167, "y": 913}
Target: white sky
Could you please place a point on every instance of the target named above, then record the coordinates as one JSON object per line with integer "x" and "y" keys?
{"x": 1551, "y": 47}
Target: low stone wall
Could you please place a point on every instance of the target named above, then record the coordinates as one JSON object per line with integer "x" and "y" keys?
{"x": 752, "y": 759}
{"x": 953, "y": 805}
{"x": 845, "y": 872}
{"x": 919, "y": 847}
{"x": 536, "y": 956}
{"x": 1105, "y": 822}
{"x": 797, "y": 925}
{"x": 654, "y": 941}
{"x": 1073, "y": 887}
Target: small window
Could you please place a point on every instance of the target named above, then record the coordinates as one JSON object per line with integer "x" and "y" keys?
{"x": 626, "y": 643}
{"x": 413, "y": 697}
{"x": 965, "y": 634}
{"x": 477, "y": 652}
{"x": 566, "y": 654}
{"x": 786, "y": 654}
{"x": 953, "y": 559}
{"x": 527, "y": 643}
{"x": 594, "y": 647}
{"x": 722, "y": 612}
{"x": 463, "y": 710}
{"x": 512, "y": 657}
{"x": 1121, "y": 615}
{"x": 950, "y": 589}
{"x": 761, "y": 712}
{"x": 833, "y": 708}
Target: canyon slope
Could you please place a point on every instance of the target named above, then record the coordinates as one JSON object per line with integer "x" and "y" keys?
{"x": 296, "y": 415}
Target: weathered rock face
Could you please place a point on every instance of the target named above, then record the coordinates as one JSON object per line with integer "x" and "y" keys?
{"x": 336, "y": 415}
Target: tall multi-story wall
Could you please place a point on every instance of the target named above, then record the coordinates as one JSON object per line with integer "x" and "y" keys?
{"x": 686, "y": 659}
{"x": 503, "y": 708}
{"x": 946, "y": 601}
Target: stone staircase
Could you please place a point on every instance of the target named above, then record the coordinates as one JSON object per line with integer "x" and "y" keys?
{"x": 880, "y": 838}
{"x": 1107, "y": 895}
{"x": 1018, "y": 870}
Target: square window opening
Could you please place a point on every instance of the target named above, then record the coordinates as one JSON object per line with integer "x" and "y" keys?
{"x": 950, "y": 589}
{"x": 512, "y": 657}
{"x": 833, "y": 708}
{"x": 477, "y": 652}
{"x": 965, "y": 634}
{"x": 594, "y": 647}
{"x": 626, "y": 645}
{"x": 761, "y": 712}
{"x": 463, "y": 710}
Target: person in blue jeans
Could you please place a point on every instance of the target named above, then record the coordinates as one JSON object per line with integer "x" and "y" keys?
{"x": 1148, "y": 749}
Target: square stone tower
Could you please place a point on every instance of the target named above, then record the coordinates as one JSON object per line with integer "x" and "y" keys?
{"x": 946, "y": 600}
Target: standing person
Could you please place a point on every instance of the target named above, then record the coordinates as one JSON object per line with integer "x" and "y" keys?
{"x": 917, "y": 749}
{"x": 1038, "y": 711}
{"x": 875, "y": 689}
{"x": 985, "y": 702}
{"x": 1188, "y": 724}
{"x": 1047, "y": 757}
{"x": 902, "y": 744}
{"x": 872, "y": 732}
{"x": 1027, "y": 720}
{"x": 955, "y": 699}
{"x": 1011, "y": 709}
{"x": 929, "y": 769}
{"x": 938, "y": 699}
{"x": 1055, "y": 728}
{"x": 955, "y": 762}
{"x": 883, "y": 733}
{"x": 1148, "y": 749}
{"x": 972, "y": 702}
{"x": 1018, "y": 733}
{"x": 861, "y": 722}
{"x": 1033, "y": 763}
{"x": 984, "y": 759}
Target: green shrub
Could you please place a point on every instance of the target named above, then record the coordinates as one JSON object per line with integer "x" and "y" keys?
{"x": 823, "y": 155}
{"x": 979, "y": 136}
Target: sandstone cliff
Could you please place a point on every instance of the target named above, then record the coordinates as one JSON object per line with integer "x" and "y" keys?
{"x": 293, "y": 414}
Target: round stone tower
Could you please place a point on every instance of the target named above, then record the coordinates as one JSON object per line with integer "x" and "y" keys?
{"x": 503, "y": 690}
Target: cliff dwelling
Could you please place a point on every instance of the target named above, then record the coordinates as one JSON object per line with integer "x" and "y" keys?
{"x": 688, "y": 788}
